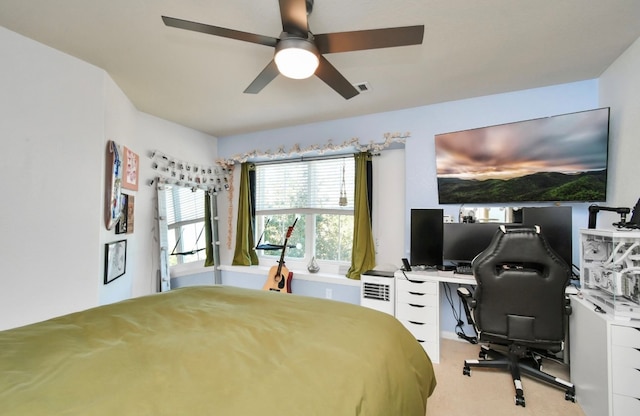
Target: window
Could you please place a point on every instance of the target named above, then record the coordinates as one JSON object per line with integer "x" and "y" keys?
{"x": 311, "y": 191}
{"x": 185, "y": 223}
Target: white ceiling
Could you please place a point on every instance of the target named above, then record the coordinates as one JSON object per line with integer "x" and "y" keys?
{"x": 471, "y": 48}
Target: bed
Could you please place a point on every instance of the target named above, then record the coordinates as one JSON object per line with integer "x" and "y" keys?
{"x": 215, "y": 350}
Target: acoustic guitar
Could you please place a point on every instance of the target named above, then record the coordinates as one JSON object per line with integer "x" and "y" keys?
{"x": 279, "y": 278}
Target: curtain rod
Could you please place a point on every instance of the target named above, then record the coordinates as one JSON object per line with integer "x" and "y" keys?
{"x": 392, "y": 140}
{"x": 305, "y": 159}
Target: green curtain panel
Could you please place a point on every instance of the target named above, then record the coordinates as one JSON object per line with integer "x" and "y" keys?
{"x": 363, "y": 255}
{"x": 208, "y": 233}
{"x": 245, "y": 253}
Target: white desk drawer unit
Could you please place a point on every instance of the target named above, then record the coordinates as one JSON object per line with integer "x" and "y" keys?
{"x": 413, "y": 291}
{"x": 424, "y": 332}
{"x": 625, "y": 406}
{"x": 416, "y": 313}
{"x": 605, "y": 361}
{"x": 625, "y": 371}
{"x": 417, "y": 307}
{"x": 418, "y": 304}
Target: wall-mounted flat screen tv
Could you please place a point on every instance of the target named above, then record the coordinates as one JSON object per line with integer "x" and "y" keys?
{"x": 561, "y": 159}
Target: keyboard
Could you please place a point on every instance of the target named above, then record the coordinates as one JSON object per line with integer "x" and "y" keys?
{"x": 464, "y": 269}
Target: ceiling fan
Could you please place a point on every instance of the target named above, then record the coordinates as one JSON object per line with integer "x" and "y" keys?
{"x": 297, "y": 43}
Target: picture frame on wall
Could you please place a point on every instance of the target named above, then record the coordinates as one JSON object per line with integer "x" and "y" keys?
{"x": 122, "y": 225}
{"x": 131, "y": 169}
{"x": 115, "y": 260}
{"x": 130, "y": 211}
{"x": 114, "y": 184}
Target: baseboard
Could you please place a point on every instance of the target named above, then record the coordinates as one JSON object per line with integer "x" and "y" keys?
{"x": 451, "y": 335}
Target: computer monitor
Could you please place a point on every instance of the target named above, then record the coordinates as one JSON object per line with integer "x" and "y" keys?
{"x": 555, "y": 225}
{"x": 462, "y": 242}
{"x": 426, "y": 237}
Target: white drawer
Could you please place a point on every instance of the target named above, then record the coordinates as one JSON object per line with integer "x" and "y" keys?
{"x": 417, "y": 298}
{"x": 625, "y": 406}
{"x": 424, "y": 314}
{"x": 431, "y": 349}
{"x": 624, "y": 357}
{"x": 625, "y": 372}
{"x": 625, "y": 336}
{"x": 421, "y": 331}
{"x": 429, "y": 287}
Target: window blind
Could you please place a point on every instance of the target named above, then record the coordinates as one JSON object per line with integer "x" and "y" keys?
{"x": 184, "y": 204}
{"x": 312, "y": 184}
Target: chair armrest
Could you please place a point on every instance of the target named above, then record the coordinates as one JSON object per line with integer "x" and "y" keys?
{"x": 567, "y": 306}
{"x": 466, "y": 295}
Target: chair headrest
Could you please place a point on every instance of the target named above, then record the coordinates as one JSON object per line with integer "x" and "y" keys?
{"x": 519, "y": 244}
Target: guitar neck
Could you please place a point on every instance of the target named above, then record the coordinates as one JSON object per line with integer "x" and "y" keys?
{"x": 284, "y": 246}
{"x": 281, "y": 261}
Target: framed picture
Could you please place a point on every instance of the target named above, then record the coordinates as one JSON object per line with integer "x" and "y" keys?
{"x": 114, "y": 184}
{"x": 130, "y": 206}
{"x": 123, "y": 222}
{"x": 131, "y": 168}
{"x": 115, "y": 260}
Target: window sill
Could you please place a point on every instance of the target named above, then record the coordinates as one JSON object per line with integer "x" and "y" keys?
{"x": 187, "y": 269}
{"x": 298, "y": 274}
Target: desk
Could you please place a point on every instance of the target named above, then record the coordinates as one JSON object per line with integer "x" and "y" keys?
{"x": 418, "y": 304}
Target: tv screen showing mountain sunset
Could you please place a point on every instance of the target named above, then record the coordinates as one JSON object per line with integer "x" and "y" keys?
{"x": 559, "y": 158}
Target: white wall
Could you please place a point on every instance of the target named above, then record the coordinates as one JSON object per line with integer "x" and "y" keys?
{"x": 144, "y": 134}
{"x": 56, "y": 115}
{"x": 51, "y": 109}
{"x": 388, "y": 207}
{"x": 620, "y": 89}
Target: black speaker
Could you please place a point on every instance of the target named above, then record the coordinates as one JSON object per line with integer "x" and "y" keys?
{"x": 426, "y": 237}
{"x": 556, "y": 226}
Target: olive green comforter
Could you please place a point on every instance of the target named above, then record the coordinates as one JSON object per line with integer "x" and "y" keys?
{"x": 215, "y": 350}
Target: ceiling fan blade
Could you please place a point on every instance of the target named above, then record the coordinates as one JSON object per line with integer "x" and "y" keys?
{"x": 219, "y": 31}
{"x": 266, "y": 76}
{"x": 330, "y": 75}
{"x": 294, "y": 17}
{"x": 369, "y": 39}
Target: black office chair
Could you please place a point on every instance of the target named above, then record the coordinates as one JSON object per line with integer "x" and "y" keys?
{"x": 519, "y": 306}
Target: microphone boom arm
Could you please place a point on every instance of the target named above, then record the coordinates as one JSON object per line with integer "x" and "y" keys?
{"x": 593, "y": 215}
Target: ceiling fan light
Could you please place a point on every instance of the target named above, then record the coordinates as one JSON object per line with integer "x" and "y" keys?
{"x": 296, "y": 58}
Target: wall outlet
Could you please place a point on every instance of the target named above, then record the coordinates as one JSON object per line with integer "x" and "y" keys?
{"x": 328, "y": 293}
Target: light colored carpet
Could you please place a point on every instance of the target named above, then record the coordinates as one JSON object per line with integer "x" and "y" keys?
{"x": 490, "y": 391}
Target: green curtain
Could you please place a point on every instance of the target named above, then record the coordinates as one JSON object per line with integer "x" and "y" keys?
{"x": 245, "y": 253}
{"x": 208, "y": 233}
{"x": 363, "y": 255}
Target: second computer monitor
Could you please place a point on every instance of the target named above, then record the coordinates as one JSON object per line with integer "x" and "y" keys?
{"x": 426, "y": 237}
{"x": 464, "y": 241}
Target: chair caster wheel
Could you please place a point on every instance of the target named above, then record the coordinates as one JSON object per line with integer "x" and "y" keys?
{"x": 570, "y": 397}
{"x": 519, "y": 401}
{"x": 466, "y": 371}
{"x": 482, "y": 355}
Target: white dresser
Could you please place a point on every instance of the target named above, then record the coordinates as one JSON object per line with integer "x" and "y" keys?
{"x": 605, "y": 361}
